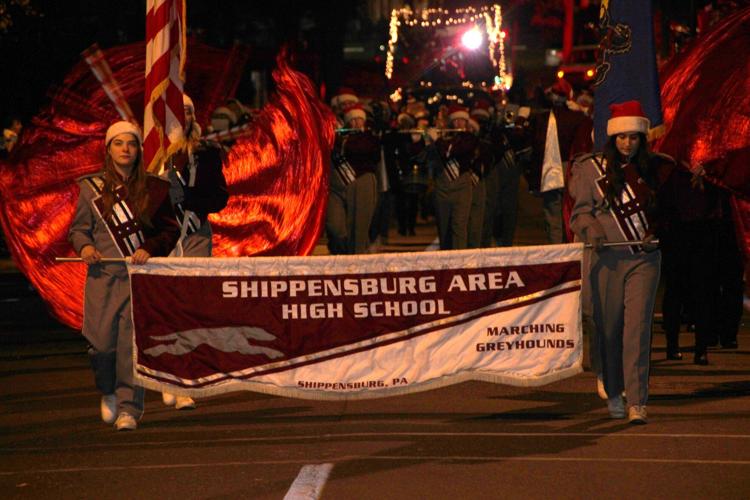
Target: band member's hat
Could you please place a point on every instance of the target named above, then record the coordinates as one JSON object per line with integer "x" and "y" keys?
{"x": 355, "y": 111}
{"x": 344, "y": 96}
{"x": 123, "y": 127}
{"x": 456, "y": 112}
{"x": 481, "y": 109}
{"x": 562, "y": 88}
{"x": 627, "y": 117}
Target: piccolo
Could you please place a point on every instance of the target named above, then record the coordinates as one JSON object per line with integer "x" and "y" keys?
{"x": 351, "y": 130}
{"x": 425, "y": 130}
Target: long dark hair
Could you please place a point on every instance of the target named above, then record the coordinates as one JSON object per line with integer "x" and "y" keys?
{"x": 137, "y": 190}
{"x": 616, "y": 176}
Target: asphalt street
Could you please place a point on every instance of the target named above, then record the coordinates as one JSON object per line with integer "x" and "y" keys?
{"x": 473, "y": 440}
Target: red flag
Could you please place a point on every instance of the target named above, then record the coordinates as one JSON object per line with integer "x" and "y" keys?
{"x": 165, "y": 75}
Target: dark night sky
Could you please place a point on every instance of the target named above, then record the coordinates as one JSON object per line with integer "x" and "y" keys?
{"x": 39, "y": 50}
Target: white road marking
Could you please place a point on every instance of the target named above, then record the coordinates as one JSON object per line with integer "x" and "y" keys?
{"x": 309, "y": 483}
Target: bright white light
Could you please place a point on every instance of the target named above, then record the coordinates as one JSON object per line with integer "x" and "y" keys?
{"x": 472, "y": 39}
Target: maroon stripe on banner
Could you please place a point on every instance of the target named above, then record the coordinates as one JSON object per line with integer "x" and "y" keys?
{"x": 377, "y": 344}
{"x": 156, "y": 20}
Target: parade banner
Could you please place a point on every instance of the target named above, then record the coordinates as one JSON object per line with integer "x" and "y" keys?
{"x": 356, "y": 327}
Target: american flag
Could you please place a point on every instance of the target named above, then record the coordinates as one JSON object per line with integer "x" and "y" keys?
{"x": 165, "y": 74}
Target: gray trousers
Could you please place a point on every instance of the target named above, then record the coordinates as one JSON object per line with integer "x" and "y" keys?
{"x": 623, "y": 292}
{"x": 553, "y": 223}
{"x": 509, "y": 182}
{"x": 349, "y": 214}
{"x": 108, "y": 326}
{"x": 452, "y": 208}
{"x": 477, "y": 215}
{"x": 491, "y": 205}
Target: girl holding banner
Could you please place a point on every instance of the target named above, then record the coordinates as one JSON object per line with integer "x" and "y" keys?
{"x": 122, "y": 212}
{"x": 616, "y": 196}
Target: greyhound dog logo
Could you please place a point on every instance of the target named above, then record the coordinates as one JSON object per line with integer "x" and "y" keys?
{"x": 229, "y": 339}
{"x": 615, "y": 39}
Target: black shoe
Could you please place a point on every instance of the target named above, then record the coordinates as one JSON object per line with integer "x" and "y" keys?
{"x": 412, "y": 233}
{"x": 729, "y": 344}
{"x": 674, "y": 354}
{"x": 701, "y": 358}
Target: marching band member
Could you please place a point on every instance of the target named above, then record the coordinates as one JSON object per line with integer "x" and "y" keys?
{"x": 339, "y": 102}
{"x": 122, "y": 212}
{"x": 616, "y": 194}
{"x": 558, "y": 135}
{"x": 198, "y": 188}
{"x": 455, "y": 180}
{"x": 479, "y": 189}
{"x": 406, "y": 161}
{"x": 353, "y": 186}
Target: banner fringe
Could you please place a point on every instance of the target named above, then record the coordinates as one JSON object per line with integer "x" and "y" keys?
{"x": 317, "y": 395}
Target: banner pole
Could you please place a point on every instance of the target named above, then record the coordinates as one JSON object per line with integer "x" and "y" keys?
{"x": 121, "y": 259}
{"x": 103, "y": 259}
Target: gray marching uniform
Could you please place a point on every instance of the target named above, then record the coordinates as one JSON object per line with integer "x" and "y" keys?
{"x": 477, "y": 214}
{"x": 353, "y": 193}
{"x": 107, "y": 322}
{"x": 349, "y": 214}
{"x": 619, "y": 284}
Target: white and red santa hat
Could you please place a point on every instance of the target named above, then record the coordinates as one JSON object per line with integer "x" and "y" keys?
{"x": 456, "y": 112}
{"x": 481, "y": 110}
{"x": 123, "y": 127}
{"x": 355, "y": 110}
{"x": 344, "y": 96}
{"x": 562, "y": 88}
{"x": 627, "y": 117}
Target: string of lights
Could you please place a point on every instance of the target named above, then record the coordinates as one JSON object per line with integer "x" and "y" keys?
{"x": 490, "y": 15}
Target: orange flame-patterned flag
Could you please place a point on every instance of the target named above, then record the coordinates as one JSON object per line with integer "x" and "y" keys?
{"x": 164, "y": 115}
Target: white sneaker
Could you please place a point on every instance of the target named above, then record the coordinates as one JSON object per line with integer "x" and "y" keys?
{"x": 600, "y": 388}
{"x": 616, "y": 407}
{"x": 184, "y": 403}
{"x": 108, "y": 408}
{"x": 637, "y": 415}
{"x": 125, "y": 422}
{"x": 168, "y": 399}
